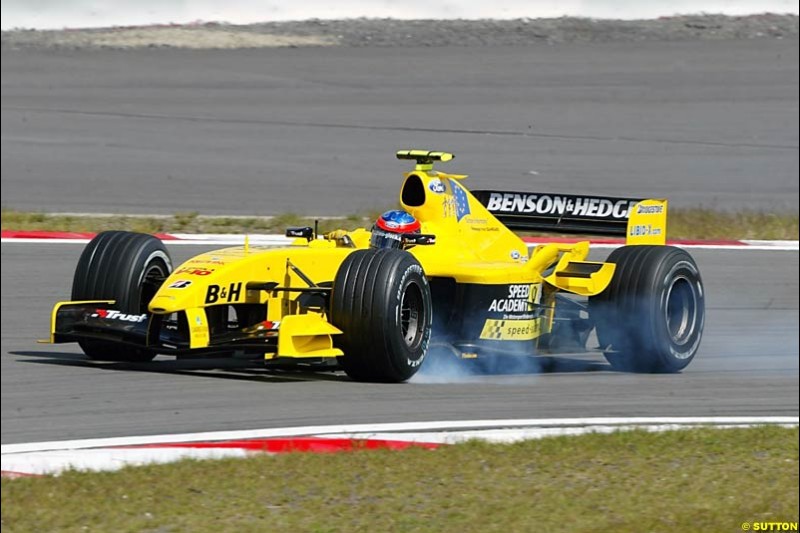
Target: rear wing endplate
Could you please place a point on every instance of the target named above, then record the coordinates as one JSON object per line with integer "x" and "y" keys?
{"x": 640, "y": 221}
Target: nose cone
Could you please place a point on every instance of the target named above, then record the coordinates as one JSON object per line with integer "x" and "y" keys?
{"x": 170, "y": 298}
{"x": 185, "y": 288}
{"x": 209, "y": 279}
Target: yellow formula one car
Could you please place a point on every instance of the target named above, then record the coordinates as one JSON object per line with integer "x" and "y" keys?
{"x": 446, "y": 271}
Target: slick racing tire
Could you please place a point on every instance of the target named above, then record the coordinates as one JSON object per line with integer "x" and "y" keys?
{"x": 381, "y": 301}
{"x": 125, "y": 267}
{"x": 650, "y": 318}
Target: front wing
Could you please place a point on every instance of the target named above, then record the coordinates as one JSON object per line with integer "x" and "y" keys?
{"x": 299, "y": 336}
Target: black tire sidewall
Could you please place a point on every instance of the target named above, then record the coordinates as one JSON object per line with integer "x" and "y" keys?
{"x": 366, "y": 305}
{"x": 631, "y": 314}
{"x": 672, "y": 355}
{"x": 112, "y": 267}
{"x": 405, "y": 359}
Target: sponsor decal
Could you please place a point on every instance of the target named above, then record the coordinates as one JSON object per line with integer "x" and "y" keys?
{"x": 554, "y": 204}
{"x": 267, "y": 328}
{"x": 448, "y": 207}
{"x": 219, "y": 255}
{"x": 212, "y": 261}
{"x": 508, "y": 305}
{"x": 641, "y": 230}
{"x": 179, "y": 284}
{"x": 195, "y": 271}
{"x": 229, "y": 293}
{"x": 462, "y": 201}
{"x": 649, "y": 209}
{"x": 524, "y": 316}
{"x": 390, "y": 235}
{"x": 484, "y": 228}
{"x": 511, "y": 330}
{"x": 418, "y": 238}
{"x": 436, "y": 186}
{"x": 521, "y": 298}
{"x": 113, "y": 314}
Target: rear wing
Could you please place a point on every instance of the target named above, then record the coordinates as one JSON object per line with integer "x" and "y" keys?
{"x": 640, "y": 221}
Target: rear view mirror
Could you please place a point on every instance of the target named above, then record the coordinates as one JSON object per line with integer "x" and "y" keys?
{"x": 411, "y": 239}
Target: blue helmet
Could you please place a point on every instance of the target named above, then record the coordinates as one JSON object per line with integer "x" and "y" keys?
{"x": 390, "y": 227}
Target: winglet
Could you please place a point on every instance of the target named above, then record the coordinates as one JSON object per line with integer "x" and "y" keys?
{"x": 424, "y": 158}
{"x": 647, "y": 223}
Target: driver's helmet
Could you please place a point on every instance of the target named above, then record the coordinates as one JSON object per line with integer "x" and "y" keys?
{"x": 390, "y": 227}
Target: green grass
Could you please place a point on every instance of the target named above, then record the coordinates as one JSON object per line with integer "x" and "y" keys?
{"x": 693, "y": 480}
{"x": 683, "y": 223}
{"x": 701, "y": 223}
{"x": 188, "y": 222}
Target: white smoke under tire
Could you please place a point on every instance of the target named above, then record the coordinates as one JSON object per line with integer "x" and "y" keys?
{"x": 651, "y": 316}
{"x": 381, "y": 301}
{"x": 128, "y": 268}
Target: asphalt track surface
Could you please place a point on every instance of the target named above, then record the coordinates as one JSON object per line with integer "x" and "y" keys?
{"x": 313, "y": 130}
{"x": 747, "y": 365}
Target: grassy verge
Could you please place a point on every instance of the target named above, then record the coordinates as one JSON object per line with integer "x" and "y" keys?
{"x": 706, "y": 224}
{"x": 189, "y": 222}
{"x": 695, "y": 480}
{"x": 683, "y": 223}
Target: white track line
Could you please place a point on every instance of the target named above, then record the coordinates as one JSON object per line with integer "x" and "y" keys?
{"x": 104, "y": 459}
{"x": 509, "y": 435}
{"x": 436, "y": 426}
{"x": 53, "y": 458}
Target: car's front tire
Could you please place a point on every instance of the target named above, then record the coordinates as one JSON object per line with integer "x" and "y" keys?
{"x": 381, "y": 301}
{"x": 128, "y": 268}
{"x": 651, "y": 316}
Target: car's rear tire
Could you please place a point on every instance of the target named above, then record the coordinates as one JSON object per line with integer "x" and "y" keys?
{"x": 381, "y": 301}
{"x": 650, "y": 318}
{"x": 128, "y": 268}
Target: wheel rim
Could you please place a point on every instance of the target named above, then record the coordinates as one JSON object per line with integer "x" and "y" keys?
{"x": 681, "y": 312}
{"x": 412, "y": 312}
{"x": 154, "y": 275}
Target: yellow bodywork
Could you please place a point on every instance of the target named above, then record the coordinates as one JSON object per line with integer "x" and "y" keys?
{"x": 471, "y": 247}
{"x": 228, "y": 277}
{"x": 307, "y": 336}
{"x": 647, "y": 223}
